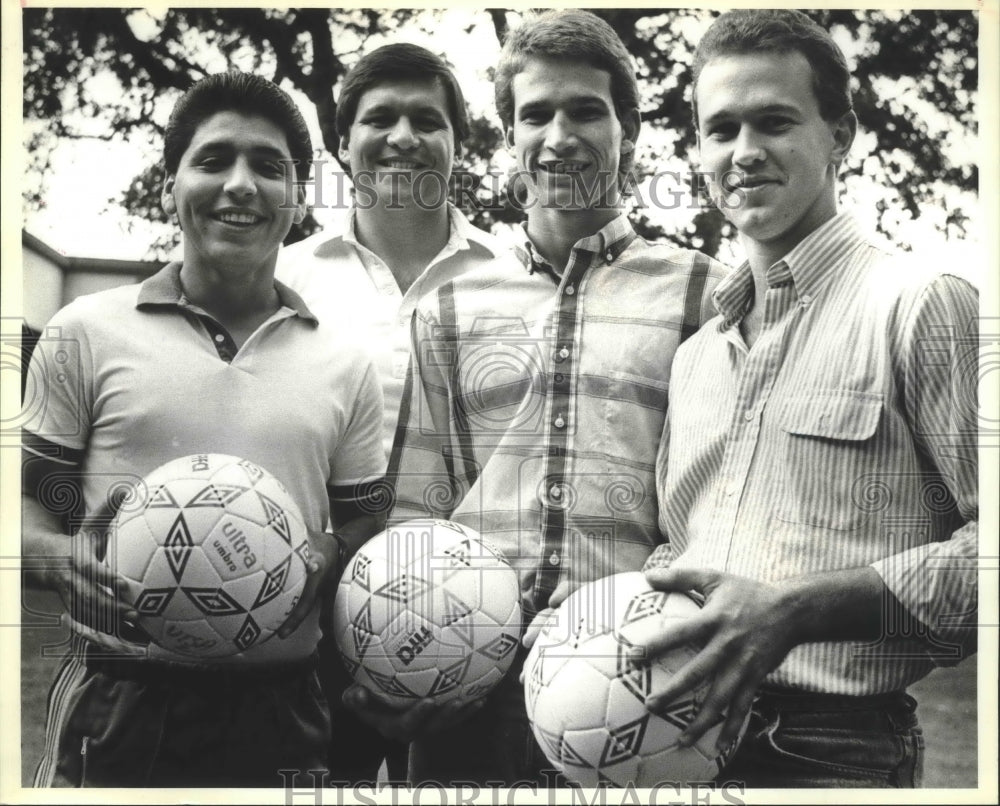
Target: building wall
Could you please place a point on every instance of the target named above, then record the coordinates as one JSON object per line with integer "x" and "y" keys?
{"x": 51, "y": 280}
{"x": 78, "y": 283}
{"x": 43, "y": 288}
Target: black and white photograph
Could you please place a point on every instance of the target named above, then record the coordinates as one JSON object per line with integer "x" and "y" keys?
{"x": 500, "y": 405}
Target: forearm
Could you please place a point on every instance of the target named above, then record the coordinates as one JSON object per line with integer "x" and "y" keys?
{"x": 45, "y": 547}
{"x": 357, "y": 532}
{"x": 846, "y": 605}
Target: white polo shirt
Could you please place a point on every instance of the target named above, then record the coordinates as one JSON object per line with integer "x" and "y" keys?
{"x": 347, "y": 285}
{"x": 130, "y": 378}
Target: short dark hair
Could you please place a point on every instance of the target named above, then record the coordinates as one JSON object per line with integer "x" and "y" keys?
{"x": 571, "y": 35}
{"x": 235, "y": 91}
{"x": 780, "y": 31}
{"x": 401, "y": 61}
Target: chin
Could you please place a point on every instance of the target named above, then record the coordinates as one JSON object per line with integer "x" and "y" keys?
{"x": 756, "y": 225}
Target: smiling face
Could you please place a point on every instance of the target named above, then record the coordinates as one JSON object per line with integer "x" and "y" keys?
{"x": 230, "y": 193}
{"x": 566, "y": 135}
{"x": 771, "y": 157}
{"x": 401, "y": 130}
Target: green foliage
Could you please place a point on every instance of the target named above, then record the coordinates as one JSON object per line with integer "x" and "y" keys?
{"x": 915, "y": 90}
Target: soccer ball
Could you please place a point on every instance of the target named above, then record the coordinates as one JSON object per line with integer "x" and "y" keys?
{"x": 585, "y": 696}
{"x": 213, "y": 552}
{"x": 428, "y": 609}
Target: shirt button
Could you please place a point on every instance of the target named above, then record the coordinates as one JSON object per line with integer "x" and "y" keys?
{"x": 748, "y": 415}
{"x": 562, "y": 354}
{"x": 554, "y": 558}
{"x": 806, "y": 299}
{"x": 555, "y": 491}
{"x": 609, "y": 257}
{"x": 570, "y": 291}
{"x": 220, "y": 338}
{"x": 558, "y": 377}
{"x": 559, "y": 422}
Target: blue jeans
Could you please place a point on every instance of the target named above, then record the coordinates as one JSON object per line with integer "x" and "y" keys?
{"x": 799, "y": 739}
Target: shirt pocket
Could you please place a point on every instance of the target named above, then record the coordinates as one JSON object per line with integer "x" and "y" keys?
{"x": 829, "y": 443}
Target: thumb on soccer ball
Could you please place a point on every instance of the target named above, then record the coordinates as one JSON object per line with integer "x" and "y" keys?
{"x": 316, "y": 567}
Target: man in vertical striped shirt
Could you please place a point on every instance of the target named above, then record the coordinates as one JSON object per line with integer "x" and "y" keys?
{"x": 539, "y": 390}
{"x": 817, "y": 480}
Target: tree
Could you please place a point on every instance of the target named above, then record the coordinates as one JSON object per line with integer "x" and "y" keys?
{"x": 915, "y": 93}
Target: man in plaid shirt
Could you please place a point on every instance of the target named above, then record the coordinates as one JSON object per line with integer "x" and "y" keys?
{"x": 538, "y": 389}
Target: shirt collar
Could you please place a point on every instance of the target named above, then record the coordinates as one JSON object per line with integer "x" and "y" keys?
{"x": 609, "y": 241}
{"x": 461, "y": 233}
{"x": 164, "y": 289}
{"x": 814, "y": 260}
{"x": 809, "y": 266}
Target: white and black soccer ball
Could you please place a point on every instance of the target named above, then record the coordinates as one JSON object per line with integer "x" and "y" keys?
{"x": 428, "y": 609}
{"x": 213, "y": 551}
{"x": 585, "y": 696}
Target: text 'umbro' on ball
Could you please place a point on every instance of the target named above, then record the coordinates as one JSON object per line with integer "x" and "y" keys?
{"x": 213, "y": 551}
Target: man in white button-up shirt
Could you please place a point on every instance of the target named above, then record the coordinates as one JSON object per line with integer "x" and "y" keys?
{"x": 401, "y": 118}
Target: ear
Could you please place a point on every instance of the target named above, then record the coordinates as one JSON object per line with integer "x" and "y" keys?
{"x": 508, "y": 136}
{"x": 167, "y": 196}
{"x": 343, "y": 153}
{"x": 630, "y": 131}
{"x": 844, "y": 129}
{"x": 300, "y": 206}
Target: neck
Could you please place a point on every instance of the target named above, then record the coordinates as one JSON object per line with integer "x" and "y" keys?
{"x": 230, "y": 293}
{"x": 764, "y": 254}
{"x": 554, "y": 232}
{"x": 405, "y": 239}
{"x": 761, "y": 255}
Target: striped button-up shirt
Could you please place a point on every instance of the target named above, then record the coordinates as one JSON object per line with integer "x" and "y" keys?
{"x": 844, "y": 437}
{"x": 536, "y": 401}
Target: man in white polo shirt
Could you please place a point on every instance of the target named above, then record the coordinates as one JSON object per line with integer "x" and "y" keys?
{"x": 401, "y": 118}
{"x": 210, "y": 355}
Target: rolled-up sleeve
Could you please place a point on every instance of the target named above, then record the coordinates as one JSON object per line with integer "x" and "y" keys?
{"x": 939, "y": 358}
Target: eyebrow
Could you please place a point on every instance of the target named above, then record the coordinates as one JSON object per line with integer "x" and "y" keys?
{"x": 393, "y": 109}
{"x": 227, "y": 145}
{"x": 770, "y": 109}
{"x": 575, "y": 100}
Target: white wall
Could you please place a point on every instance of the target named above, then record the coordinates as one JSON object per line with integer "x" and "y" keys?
{"x": 43, "y": 288}
{"x": 78, "y": 283}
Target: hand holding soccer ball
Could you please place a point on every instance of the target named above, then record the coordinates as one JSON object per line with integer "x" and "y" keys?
{"x": 427, "y": 610}
{"x": 90, "y": 590}
{"x": 610, "y": 735}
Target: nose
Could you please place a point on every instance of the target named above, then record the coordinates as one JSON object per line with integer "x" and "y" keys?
{"x": 560, "y": 134}
{"x": 747, "y": 149}
{"x": 240, "y": 182}
{"x": 402, "y": 135}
